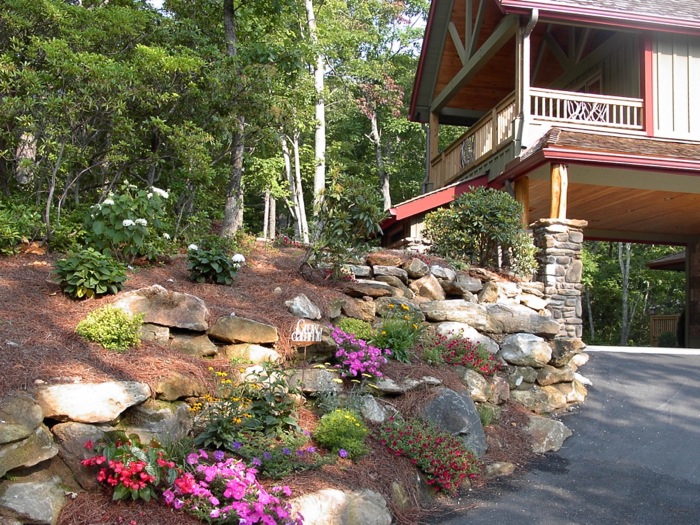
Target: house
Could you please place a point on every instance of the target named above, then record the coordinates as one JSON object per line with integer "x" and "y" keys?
{"x": 587, "y": 111}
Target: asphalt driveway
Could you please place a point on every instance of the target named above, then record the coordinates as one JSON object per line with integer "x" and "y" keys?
{"x": 634, "y": 457}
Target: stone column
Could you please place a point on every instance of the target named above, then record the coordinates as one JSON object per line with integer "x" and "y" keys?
{"x": 692, "y": 302}
{"x": 559, "y": 243}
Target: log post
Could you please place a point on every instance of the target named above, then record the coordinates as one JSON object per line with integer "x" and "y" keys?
{"x": 560, "y": 184}
{"x": 522, "y": 195}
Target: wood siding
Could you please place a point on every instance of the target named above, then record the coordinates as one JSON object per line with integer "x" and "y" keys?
{"x": 676, "y": 64}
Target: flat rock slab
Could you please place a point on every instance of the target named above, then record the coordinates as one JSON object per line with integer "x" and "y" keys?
{"x": 166, "y": 308}
{"x": 234, "y": 329}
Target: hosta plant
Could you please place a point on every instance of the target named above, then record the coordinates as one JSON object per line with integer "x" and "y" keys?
{"x": 212, "y": 265}
{"x": 89, "y": 273}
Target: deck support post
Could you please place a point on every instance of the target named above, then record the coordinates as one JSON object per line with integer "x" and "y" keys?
{"x": 559, "y": 243}
{"x": 560, "y": 188}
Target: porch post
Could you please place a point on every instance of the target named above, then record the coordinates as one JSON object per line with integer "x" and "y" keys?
{"x": 522, "y": 195}
{"x": 559, "y": 243}
{"x": 692, "y": 302}
{"x": 433, "y": 148}
{"x": 560, "y": 188}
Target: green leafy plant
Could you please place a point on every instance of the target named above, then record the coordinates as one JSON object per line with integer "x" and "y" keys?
{"x": 476, "y": 226}
{"x": 18, "y": 224}
{"x": 213, "y": 265}
{"x": 129, "y": 467}
{"x": 360, "y": 329}
{"x": 343, "y": 432}
{"x": 262, "y": 402}
{"x": 129, "y": 224}
{"x": 111, "y": 327}
{"x": 89, "y": 273}
{"x": 441, "y": 456}
{"x": 453, "y": 349}
{"x": 399, "y": 331}
{"x": 487, "y": 414}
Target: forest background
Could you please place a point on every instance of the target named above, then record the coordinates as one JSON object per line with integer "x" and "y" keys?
{"x": 248, "y": 113}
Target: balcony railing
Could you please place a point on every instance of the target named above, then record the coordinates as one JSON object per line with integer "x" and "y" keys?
{"x": 480, "y": 141}
{"x": 584, "y": 110}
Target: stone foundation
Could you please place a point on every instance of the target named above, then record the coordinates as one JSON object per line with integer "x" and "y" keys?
{"x": 559, "y": 242}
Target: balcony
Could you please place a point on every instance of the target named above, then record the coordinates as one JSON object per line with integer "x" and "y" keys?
{"x": 489, "y": 144}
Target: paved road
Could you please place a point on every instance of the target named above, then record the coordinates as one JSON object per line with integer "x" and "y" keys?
{"x": 634, "y": 458}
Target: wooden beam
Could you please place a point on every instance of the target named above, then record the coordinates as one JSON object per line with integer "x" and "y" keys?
{"x": 471, "y": 45}
{"x": 522, "y": 195}
{"x": 590, "y": 60}
{"x": 559, "y": 185}
{"x": 503, "y": 32}
{"x": 457, "y": 42}
{"x": 468, "y": 26}
{"x": 557, "y": 51}
{"x": 434, "y": 130}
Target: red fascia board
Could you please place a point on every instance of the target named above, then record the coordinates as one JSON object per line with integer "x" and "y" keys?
{"x": 631, "y": 20}
{"x": 421, "y": 61}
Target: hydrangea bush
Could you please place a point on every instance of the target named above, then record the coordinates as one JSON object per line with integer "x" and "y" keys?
{"x": 356, "y": 357}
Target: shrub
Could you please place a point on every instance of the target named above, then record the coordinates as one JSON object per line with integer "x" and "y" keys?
{"x": 343, "y": 432}
{"x": 69, "y": 234}
{"x": 360, "y": 329}
{"x": 263, "y": 402}
{"x": 224, "y": 490}
{"x": 129, "y": 224}
{"x": 399, "y": 331}
{"x": 356, "y": 357}
{"x": 668, "y": 340}
{"x": 213, "y": 265}
{"x": 88, "y": 273}
{"x": 18, "y": 224}
{"x": 454, "y": 349}
{"x": 111, "y": 327}
{"x": 130, "y": 468}
{"x": 441, "y": 456}
{"x": 476, "y": 225}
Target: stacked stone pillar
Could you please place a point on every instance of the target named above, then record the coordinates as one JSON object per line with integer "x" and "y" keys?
{"x": 559, "y": 243}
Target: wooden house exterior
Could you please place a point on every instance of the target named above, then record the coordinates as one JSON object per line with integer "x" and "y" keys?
{"x": 582, "y": 109}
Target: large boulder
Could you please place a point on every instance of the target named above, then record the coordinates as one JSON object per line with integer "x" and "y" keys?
{"x": 451, "y": 328}
{"x": 172, "y": 386}
{"x": 512, "y": 318}
{"x": 166, "y": 308}
{"x": 428, "y": 287}
{"x": 457, "y": 310}
{"x": 541, "y": 400}
{"x": 36, "y": 498}
{"x": 249, "y": 353}
{"x": 90, "y": 402}
{"x": 549, "y": 375}
{"x": 71, "y": 438}
{"x": 456, "y": 413}
{"x": 234, "y": 329}
{"x": 19, "y": 417}
{"x": 391, "y": 271}
{"x": 547, "y": 434}
{"x": 462, "y": 284}
{"x": 337, "y": 507}
{"x": 525, "y": 350}
{"x": 416, "y": 268}
{"x": 385, "y": 258}
{"x": 161, "y": 420}
{"x": 198, "y": 345}
{"x": 315, "y": 381}
{"x": 359, "y": 309}
{"x": 367, "y": 288}
{"x": 302, "y": 306}
{"x": 400, "y": 289}
{"x": 33, "y": 449}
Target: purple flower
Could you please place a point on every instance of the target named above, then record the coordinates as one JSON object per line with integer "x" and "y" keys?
{"x": 343, "y": 453}
{"x": 311, "y": 450}
{"x": 257, "y": 462}
{"x": 193, "y": 458}
{"x": 267, "y": 455}
{"x": 286, "y": 451}
{"x": 218, "y": 455}
{"x": 237, "y": 445}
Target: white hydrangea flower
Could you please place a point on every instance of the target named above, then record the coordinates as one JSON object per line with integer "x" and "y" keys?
{"x": 127, "y": 222}
{"x": 238, "y": 258}
{"x": 108, "y": 202}
{"x": 149, "y": 196}
{"x": 142, "y": 222}
{"x": 160, "y": 192}
{"x": 193, "y": 247}
{"x": 166, "y": 236}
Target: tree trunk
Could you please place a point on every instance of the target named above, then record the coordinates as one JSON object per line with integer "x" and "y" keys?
{"x": 233, "y": 209}
{"x": 376, "y": 138}
{"x": 303, "y": 222}
{"x": 294, "y": 206}
{"x": 273, "y": 218}
{"x": 623, "y": 256}
{"x": 266, "y": 214}
{"x": 591, "y": 326}
{"x": 320, "y": 137}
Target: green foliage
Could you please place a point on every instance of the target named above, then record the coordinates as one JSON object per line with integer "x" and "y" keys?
{"x": 69, "y": 234}
{"x": 129, "y": 467}
{"x": 212, "y": 266}
{"x": 399, "y": 331}
{"x": 487, "y": 414}
{"x": 441, "y": 456}
{"x": 111, "y": 327}
{"x": 453, "y": 349}
{"x": 348, "y": 222}
{"x": 88, "y": 273}
{"x": 129, "y": 224}
{"x": 476, "y": 225}
{"x": 262, "y": 402}
{"x": 357, "y": 327}
{"x": 342, "y": 430}
{"x": 18, "y": 224}
{"x": 668, "y": 340}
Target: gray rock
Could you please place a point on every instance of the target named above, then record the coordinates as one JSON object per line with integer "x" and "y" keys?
{"x": 173, "y": 386}
{"x": 314, "y": 381}
{"x": 250, "y": 353}
{"x": 456, "y": 413}
{"x": 457, "y": 310}
{"x": 357, "y": 270}
{"x": 443, "y": 273}
{"x": 337, "y": 507}
{"x": 359, "y": 309}
{"x": 478, "y": 387}
{"x": 90, "y": 402}
{"x": 160, "y": 306}
{"x": 19, "y": 417}
{"x": 302, "y": 306}
{"x": 161, "y": 420}
{"x": 391, "y": 271}
{"x": 500, "y": 390}
{"x": 525, "y": 350}
{"x": 513, "y": 318}
{"x": 35, "y": 499}
{"x": 416, "y": 268}
{"x": 155, "y": 333}
{"x": 388, "y": 386}
{"x": 489, "y": 293}
{"x": 233, "y": 329}
{"x": 548, "y": 435}
{"x": 387, "y": 306}
{"x": 196, "y": 345}
{"x": 564, "y": 349}
{"x": 521, "y": 375}
{"x": 35, "y": 448}
{"x": 371, "y": 410}
{"x": 499, "y": 469}
{"x": 467, "y": 332}
{"x": 401, "y": 290}
{"x": 71, "y": 439}
{"x": 541, "y": 400}
{"x": 533, "y": 302}
{"x": 365, "y": 288}
{"x": 463, "y": 285}
{"x": 428, "y": 287}
{"x": 549, "y": 375}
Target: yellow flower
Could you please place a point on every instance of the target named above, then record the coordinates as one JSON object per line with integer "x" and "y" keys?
{"x": 415, "y": 326}
{"x": 391, "y": 305}
{"x": 383, "y": 332}
{"x": 406, "y": 317}
{"x": 404, "y": 307}
{"x": 337, "y": 380}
